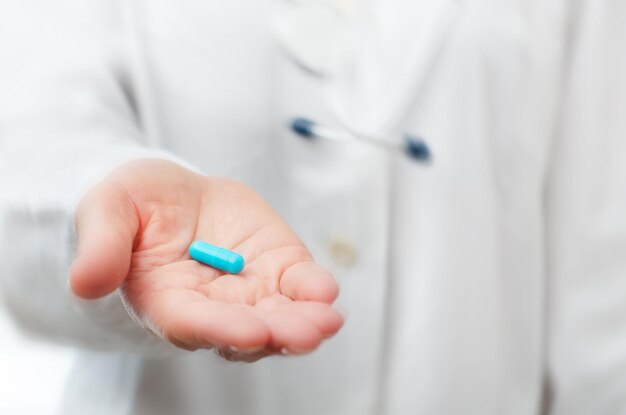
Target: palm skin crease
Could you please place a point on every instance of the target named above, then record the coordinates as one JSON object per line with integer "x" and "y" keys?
{"x": 134, "y": 230}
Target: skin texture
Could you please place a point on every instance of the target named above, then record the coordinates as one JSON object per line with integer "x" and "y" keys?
{"x": 134, "y": 230}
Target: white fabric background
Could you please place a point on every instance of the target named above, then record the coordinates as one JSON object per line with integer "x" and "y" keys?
{"x": 32, "y": 373}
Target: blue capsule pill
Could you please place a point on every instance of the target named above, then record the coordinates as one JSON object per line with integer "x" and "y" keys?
{"x": 216, "y": 257}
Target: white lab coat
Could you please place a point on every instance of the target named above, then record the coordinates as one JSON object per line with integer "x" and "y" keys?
{"x": 491, "y": 282}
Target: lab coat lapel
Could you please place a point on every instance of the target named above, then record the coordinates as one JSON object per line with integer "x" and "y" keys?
{"x": 308, "y": 30}
{"x": 375, "y": 53}
{"x": 393, "y": 52}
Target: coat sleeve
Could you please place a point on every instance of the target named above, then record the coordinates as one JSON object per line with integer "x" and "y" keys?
{"x": 67, "y": 118}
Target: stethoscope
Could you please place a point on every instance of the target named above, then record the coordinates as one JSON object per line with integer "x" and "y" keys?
{"x": 387, "y": 114}
{"x": 412, "y": 74}
{"x": 412, "y": 146}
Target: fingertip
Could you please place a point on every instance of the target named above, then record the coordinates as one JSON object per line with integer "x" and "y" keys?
{"x": 325, "y": 291}
{"x": 77, "y": 283}
{"x": 333, "y": 323}
{"x": 106, "y": 224}
{"x": 101, "y": 266}
{"x": 90, "y": 286}
{"x": 293, "y": 333}
{"x": 307, "y": 281}
{"x": 325, "y": 317}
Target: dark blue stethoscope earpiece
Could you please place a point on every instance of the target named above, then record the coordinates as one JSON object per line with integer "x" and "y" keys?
{"x": 417, "y": 149}
{"x": 303, "y": 127}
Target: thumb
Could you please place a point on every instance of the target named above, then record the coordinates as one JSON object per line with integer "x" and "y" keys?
{"x": 106, "y": 225}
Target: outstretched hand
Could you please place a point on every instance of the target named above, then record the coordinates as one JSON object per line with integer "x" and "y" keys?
{"x": 134, "y": 230}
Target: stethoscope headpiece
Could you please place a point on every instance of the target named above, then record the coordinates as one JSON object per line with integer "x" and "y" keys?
{"x": 414, "y": 147}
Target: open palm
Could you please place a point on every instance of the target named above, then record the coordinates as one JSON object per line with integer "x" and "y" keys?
{"x": 134, "y": 232}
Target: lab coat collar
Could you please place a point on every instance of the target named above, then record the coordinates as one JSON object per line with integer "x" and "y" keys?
{"x": 392, "y": 42}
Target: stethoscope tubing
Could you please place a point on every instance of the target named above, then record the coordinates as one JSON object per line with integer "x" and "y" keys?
{"x": 412, "y": 146}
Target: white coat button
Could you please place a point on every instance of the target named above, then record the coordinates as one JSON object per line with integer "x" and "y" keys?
{"x": 343, "y": 252}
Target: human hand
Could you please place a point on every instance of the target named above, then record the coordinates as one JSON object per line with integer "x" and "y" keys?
{"x": 134, "y": 230}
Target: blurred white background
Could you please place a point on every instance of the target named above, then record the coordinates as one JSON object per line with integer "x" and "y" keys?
{"x": 32, "y": 373}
